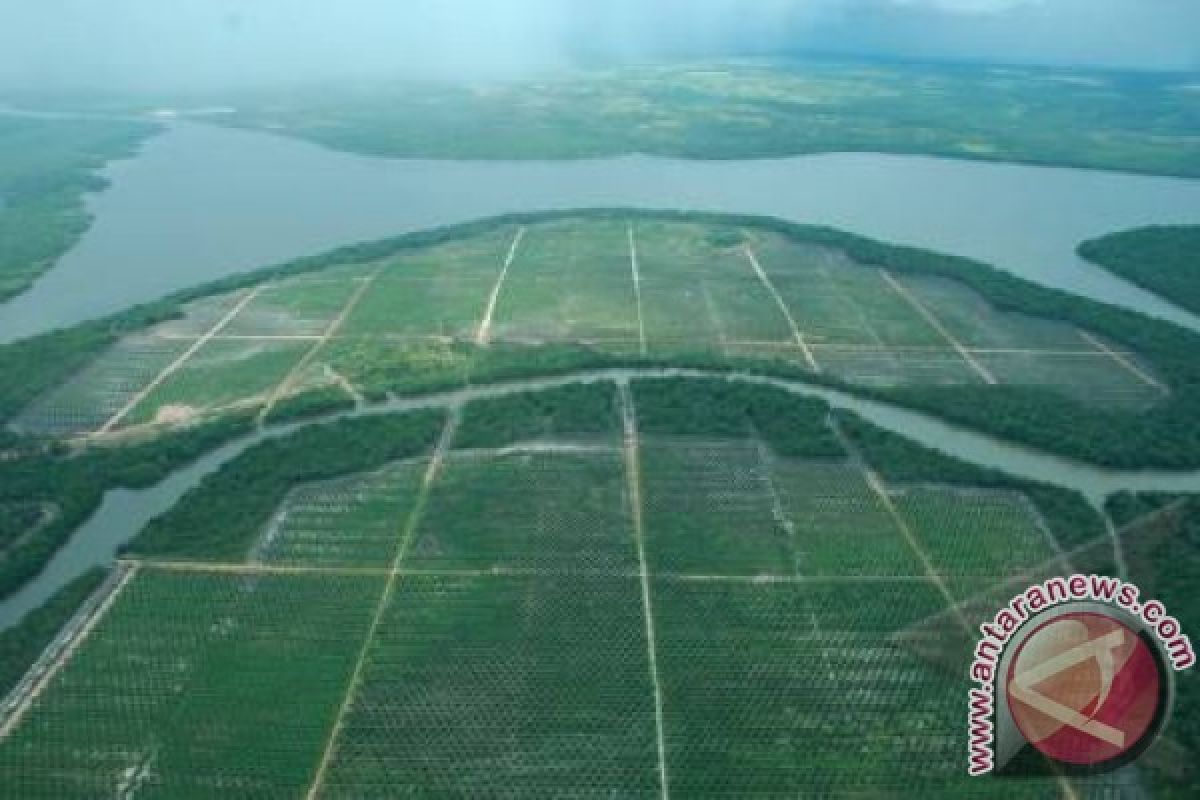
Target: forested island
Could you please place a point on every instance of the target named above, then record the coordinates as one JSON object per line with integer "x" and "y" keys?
{"x": 1162, "y": 258}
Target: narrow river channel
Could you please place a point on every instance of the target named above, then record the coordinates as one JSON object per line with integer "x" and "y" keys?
{"x": 123, "y": 513}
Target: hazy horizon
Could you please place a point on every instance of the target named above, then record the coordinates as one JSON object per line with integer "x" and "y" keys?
{"x": 214, "y": 44}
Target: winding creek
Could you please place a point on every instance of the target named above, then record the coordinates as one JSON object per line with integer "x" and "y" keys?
{"x": 124, "y": 512}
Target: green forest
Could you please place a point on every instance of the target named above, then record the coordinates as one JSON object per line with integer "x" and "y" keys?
{"x": 69, "y": 486}
{"x": 46, "y": 168}
{"x": 1168, "y": 568}
{"x": 588, "y": 409}
{"x": 1137, "y": 122}
{"x": 21, "y": 645}
{"x": 221, "y": 517}
{"x": 1162, "y": 258}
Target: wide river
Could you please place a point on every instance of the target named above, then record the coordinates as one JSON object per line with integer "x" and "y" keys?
{"x": 200, "y": 202}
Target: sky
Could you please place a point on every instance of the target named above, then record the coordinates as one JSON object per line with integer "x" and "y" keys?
{"x": 203, "y": 44}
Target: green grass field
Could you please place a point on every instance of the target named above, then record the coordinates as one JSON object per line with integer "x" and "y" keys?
{"x": 1139, "y": 121}
{"x": 443, "y": 316}
{"x": 539, "y": 619}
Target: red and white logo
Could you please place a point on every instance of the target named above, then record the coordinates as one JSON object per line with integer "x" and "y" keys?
{"x": 1085, "y": 689}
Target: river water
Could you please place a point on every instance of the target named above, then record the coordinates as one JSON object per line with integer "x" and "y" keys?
{"x": 124, "y": 512}
{"x": 200, "y": 202}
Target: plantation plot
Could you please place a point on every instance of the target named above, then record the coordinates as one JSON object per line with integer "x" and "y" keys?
{"x": 804, "y": 277}
{"x": 976, "y": 324}
{"x": 511, "y": 686}
{"x": 349, "y": 522}
{"x": 837, "y": 525}
{"x": 199, "y": 317}
{"x": 1090, "y": 378}
{"x": 512, "y": 639}
{"x": 700, "y": 293}
{"x": 551, "y": 295}
{"x": 533, "y": 510}
{"x": 196, "y": 685}
{"x": 570, "y": 281}
{"x": 436, "y": 292}
{"x": 890, "y": 367}
{"x": 303, "y": 307}
{"x": 223, "y": 372}
{"x": 90, "y": 398}
{"x": 839, "y": 300}
{"x": 787, "y": 690}
{"x": 975, "y": 534}
{"x": 709, "y": 509}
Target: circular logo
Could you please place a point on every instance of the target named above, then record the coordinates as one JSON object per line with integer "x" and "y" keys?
{"x": 1086, "y": 690}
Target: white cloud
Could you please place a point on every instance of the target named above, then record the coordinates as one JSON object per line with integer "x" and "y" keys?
{"x": 968, "y": 6}
{"x": 151, "y": 43}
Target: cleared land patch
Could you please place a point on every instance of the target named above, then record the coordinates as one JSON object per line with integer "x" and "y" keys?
{"x": 570, "y": 281}
{"x": 90, "y": 398}
{"x": 222, "y": 373}
{"x": 574, "y": 289}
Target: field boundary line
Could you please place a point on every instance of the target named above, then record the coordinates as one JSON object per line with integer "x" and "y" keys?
{"x": 1123, "y": 361}
{"x": 1025, "y": 576}
{"x": 1044, "y": 528}
{"x": 933, "y": 349}
{"x": 541, "y": 448}
{"x": 777, "y": 510}
{"x": 637, "y": 284}
{"x": 483, "y": 336}
{"x": 889, "y": 351}
{"x": 713, "y": 314}
{"x": 250, "y": 568}
{"x": 406, "y": 536}
{"x": 937, "y": 325}
{"x": 768, "y": 579}
{"x": 1118, "y": 549}
{"x": 30, "y": 689}
{"x": 244, "y": 337}
{"x": 634, "y": 477}
{"x": 334, "y": 325}
{"x": 175, "y": 365}
{"x": 879, "y": 488}
{"x": 783, "y": 307}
